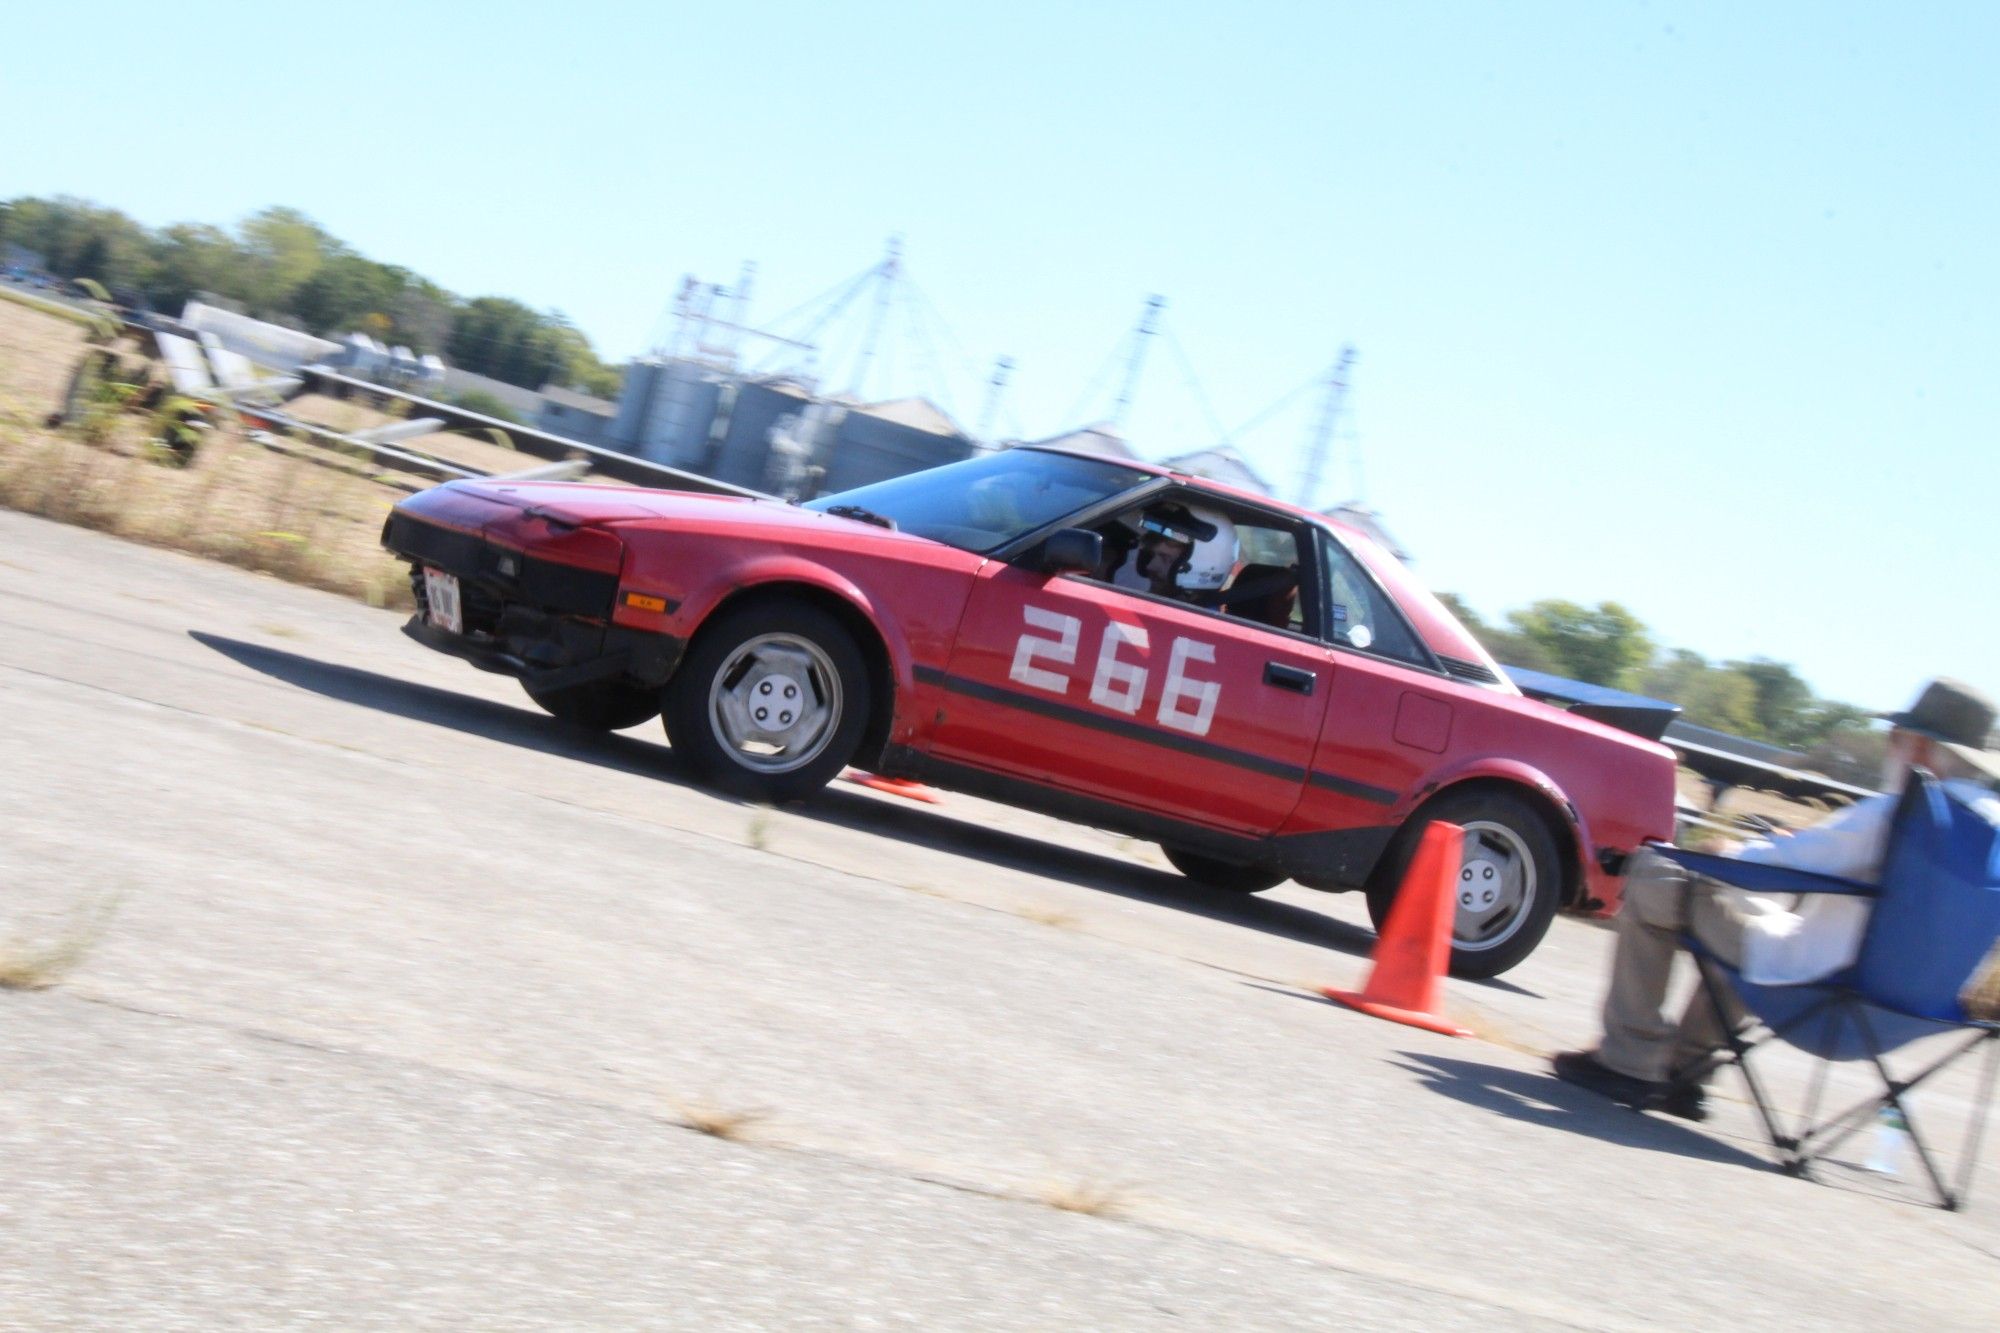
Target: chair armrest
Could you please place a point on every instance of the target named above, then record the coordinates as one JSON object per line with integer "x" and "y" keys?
{"x": 1762, "y": 878}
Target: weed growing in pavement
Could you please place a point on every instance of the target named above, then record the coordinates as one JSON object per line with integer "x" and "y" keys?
{"x": 758, "y": 834}
{"x": 1092, "y": 1198}
{"x": 719, "y": 1122}
{"x": 1057, "y": 917}
{"x": 28, "y": 966}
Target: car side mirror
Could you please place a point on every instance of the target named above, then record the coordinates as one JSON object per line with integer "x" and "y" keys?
{"x": 1071, "y": 551}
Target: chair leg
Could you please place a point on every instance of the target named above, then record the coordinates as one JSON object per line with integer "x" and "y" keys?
{"x": 1893, "y": 1097}
{"x": 1786, "y": 1144}
{"x": 1858, "y": 1115}
{"x": 1982, "y": 1104}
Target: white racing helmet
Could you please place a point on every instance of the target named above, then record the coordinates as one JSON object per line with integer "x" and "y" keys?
{"x": 1212, "y": 546}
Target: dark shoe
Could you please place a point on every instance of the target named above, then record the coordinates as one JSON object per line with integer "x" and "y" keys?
{"x": 1584, "y": 1069}
{"x": 1684, "y": 1100}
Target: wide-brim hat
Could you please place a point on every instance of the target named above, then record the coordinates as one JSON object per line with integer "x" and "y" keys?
{"x": 1956, "y": 716}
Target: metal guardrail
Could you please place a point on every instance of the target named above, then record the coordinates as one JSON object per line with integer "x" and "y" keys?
{"x": 528, "y": 440}
{"x": 394, "y": 458}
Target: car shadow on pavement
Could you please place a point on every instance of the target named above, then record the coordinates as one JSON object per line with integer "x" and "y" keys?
{"x": 918, "y": 825}
{"x": 528, "y": 728}
{"x": 1544, "y": 1099}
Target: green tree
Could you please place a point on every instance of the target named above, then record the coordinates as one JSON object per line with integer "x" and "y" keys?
{"x": 1463, "y": 611}
{"x": 496, "y": 336}
{"x": 1851, "y": 750}
{"x": 190, "y": 259}
{"x": 282, "y": 248}
{"x": 581, "y": 370}
{"x": 1508, "y": 647}
{"x": 1784, "y": 703}
{"x": 484, "y": 403}
{"x": 1604, "y": 645}
{"x": 343, "y": 290}
{"x": 421, "y": 312}
{"x": 77, "y": 239}
{"x": 1672, "y": 676}
{"x": 1722, "y": 698}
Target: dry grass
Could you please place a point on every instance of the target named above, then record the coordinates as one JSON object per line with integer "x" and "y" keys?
{"x": 719, "y": 1122}
{"x": 1058, "y": 918}
{"x": 757, "y": 834}
{"x": 1092, "y": 1198}
{"x": 29, "y": 965}
{"x": 237, "y": 502}
{"x": 24, "y": 967}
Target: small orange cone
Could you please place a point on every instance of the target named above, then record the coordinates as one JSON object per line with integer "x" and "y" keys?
{"x": 1415, "y": 945}
{"x": 907, "y": 788}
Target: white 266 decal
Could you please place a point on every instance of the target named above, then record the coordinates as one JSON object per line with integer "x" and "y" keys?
{"x": 1185, "y": 704}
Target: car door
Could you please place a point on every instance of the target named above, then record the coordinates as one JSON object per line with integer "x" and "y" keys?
{"x": 1140, "y": 700}
{"x": 1390, "y": 711}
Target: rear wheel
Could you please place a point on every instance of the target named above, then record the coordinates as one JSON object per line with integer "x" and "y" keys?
{"x": 1228, "y": 876}
{"x": 602, "y": 706}
{"x": 771, "y": 700}
{"x": 1509, "y": 878}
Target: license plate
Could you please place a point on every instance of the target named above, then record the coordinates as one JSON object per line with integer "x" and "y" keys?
{"x": 441, "y": 601}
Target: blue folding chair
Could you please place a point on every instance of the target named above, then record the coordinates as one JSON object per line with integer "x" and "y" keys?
{"x": 1936, "y": 916}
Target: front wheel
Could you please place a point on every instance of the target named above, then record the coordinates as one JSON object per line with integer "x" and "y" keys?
{"x": 771, "y": 700}
{"x": 603, "y": 706}
{"x": 1228, "y": 876}
{"x": 1509, "y": 878}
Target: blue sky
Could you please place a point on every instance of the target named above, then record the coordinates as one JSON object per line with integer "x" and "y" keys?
{"x": 1689, "y": 306}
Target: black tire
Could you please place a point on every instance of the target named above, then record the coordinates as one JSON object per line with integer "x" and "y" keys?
{"x": 601, "y": 706}
{"x": 1228, "y": 876}
{"x": 1503, "y": 832}
{"x": 747, "y": 659}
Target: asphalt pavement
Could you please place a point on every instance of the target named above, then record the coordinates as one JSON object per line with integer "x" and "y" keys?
{"x": 412, "y": 1001}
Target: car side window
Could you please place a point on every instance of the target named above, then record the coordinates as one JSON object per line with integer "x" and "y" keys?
{"x": 1362, "y": 615}
{"x": 1258, "y": 577}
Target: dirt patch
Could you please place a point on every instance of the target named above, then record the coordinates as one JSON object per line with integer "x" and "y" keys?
{"x": 36, "y": 353}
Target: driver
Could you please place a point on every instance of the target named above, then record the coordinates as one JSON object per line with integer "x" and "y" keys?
{"x": 1183, "y": 552}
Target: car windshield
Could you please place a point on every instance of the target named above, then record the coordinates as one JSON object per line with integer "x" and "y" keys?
{"x": 983, "y": 503}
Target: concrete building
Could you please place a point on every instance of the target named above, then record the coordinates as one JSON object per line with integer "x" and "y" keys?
{"x": 1368, "y": 519}
{"x": 576, "y": 416}
{"x": 775, "y": 434}
{"x": 666, "y": 408}
{"x": 1222, "y": 464}
{"x": 875, "y": 441}
{"x": 1102, "y": 438}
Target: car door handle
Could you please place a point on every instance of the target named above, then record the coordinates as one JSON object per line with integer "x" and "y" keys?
{"x": 1289, "y": 677}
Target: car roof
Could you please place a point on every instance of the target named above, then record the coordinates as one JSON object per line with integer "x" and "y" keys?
{"x": 1256, "y": 499}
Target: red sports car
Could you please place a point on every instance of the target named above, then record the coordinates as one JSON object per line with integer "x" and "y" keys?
{"x": 1265, "y": 693}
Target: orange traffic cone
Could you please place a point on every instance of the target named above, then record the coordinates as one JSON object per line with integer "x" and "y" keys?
{"x": 1415, "y": 945}
{"x": 907, "y": 788}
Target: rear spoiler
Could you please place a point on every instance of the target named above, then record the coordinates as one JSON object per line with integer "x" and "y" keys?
{"x": 1600, "y": 703}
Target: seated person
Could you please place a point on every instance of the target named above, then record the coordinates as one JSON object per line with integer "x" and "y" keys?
{"x": 1642, "y": 1050}
{"x": 1183, "y": 552}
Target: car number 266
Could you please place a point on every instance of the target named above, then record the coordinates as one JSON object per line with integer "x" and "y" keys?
{"x": 1117, "y": 683}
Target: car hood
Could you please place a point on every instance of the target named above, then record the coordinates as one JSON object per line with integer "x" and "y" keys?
{"x": 587, "y": 502}
{"x": 580, "y": 503}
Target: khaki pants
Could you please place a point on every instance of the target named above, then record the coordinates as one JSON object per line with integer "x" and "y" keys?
{"x": 1661, "y": 900}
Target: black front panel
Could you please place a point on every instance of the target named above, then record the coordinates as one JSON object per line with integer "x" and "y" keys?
{"x": 440, "y": 548}
{"x": 512, "y": 575}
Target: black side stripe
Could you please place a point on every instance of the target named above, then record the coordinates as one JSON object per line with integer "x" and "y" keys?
{"x": 1190, "y": 745}
{"x": 1360, "y": 791}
